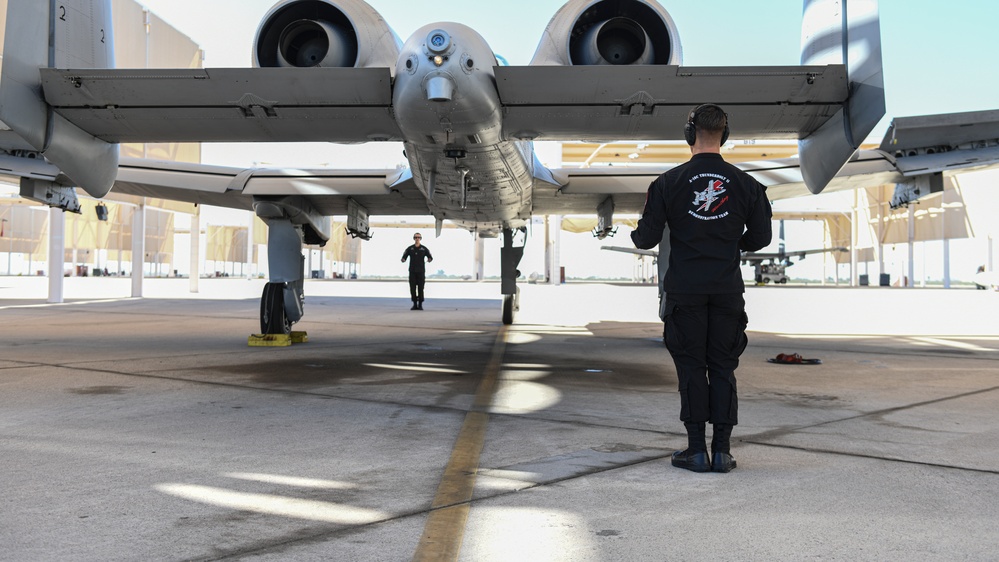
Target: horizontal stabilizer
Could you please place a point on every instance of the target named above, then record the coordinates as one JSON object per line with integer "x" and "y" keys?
{"x": 931, "y": 144}
{"x": 941, "y": 132}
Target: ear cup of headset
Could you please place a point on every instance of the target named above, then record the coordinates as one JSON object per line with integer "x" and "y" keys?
{"x": 690, "y": 129}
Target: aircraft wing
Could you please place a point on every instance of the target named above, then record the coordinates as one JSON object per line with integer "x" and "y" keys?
{"x": 587, "y": 187}
{"x": 226, "y": 104}
{"x": 636, "y": 251}
{"x": 354, "y": 104}
{"x": 926, "y": 145}
{"x": 761, "y": 256}
{"x": 616, "y": 102}
{"x": 382, "y": 192}
{"x": 916, "y": 151}
{"x": 747, "y": 257}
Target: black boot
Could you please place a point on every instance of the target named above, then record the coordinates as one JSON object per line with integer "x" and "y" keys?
{"x": 415, "y": 306}
{"x": 695, "y": 457}
{"x": 721, "y": 458}
{"x": 419, "y": 305}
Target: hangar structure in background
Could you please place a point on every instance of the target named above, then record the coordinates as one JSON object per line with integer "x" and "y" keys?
{"x": 142, "y": 40}
{"x": 333, "y": 71}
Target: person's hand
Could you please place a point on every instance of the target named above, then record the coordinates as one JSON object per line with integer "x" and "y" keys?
{"x": 403, "y": 260}
{"x": 430, "y": 259}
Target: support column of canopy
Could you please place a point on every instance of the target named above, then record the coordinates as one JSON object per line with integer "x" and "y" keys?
{"x": 946, "y": 240}
{"x": 195, "y": 249}
{"x": 910, "y": 282}
{"x": 138, "y": 247}
{"x": 478, "y": 257}
{"x": 250, "y": 269}
{"x": 553, "y": 249}
{"x": 57, "y": 253}
{"x": 881, "y": 233}
{"x": 854, "y": 236}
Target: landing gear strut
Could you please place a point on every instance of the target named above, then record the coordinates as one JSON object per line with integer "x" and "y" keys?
{"x": 283, "y": 300}
{"x": 510, "y": 256}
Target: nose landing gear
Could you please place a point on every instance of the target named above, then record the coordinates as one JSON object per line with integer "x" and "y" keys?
{"x": 510, "y": 256}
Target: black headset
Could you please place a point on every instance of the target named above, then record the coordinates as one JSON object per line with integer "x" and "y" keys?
{"x": 690, "y": 129}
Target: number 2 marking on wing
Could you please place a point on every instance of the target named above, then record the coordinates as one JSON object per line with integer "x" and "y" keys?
{"x": 62, "y": 15}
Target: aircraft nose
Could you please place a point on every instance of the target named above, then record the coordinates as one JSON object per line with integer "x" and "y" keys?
{"x": 440, "y": 88}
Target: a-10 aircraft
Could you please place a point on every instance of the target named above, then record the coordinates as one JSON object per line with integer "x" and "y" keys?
{"x": 333, "y": 71}
{"x": 763, "y": 272}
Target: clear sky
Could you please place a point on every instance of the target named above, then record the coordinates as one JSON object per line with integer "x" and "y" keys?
{"x": 938, "y": 56}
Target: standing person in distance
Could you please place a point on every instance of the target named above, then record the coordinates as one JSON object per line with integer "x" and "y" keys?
{"x": 417, "y": 269}
{"x": 712, "y": 211}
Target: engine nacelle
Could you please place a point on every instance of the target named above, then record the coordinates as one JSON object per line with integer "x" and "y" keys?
{"x": 325, "y": 33}
{"x": 610, "y": 32}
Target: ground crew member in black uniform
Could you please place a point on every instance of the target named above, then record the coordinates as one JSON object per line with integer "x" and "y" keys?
{"x": 417, "y": 269}
{"x": 712, "y": 210}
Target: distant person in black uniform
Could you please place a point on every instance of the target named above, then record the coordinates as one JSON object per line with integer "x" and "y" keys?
{"x": 712, "y": 210}
{"x": 980, "y": 282}
{"x": 417, "y": 269}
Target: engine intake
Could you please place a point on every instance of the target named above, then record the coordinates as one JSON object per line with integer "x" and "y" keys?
{"x": 610, "y": 32}
{"x": 615, "y": 41}
{"x": 325, "y": 33}
{"x": 306, "y": 43}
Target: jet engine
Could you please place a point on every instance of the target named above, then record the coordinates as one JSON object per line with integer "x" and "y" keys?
{"x": 610, "y": 32}
{"x": 325, "y": 33}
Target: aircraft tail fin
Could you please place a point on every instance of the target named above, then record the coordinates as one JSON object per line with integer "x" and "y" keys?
{"x": 842, "y": 32}
{"x": 74, "y": 34}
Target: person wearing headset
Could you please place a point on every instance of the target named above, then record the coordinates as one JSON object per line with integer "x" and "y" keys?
{"x": 708, "y": 210}
{"x": 416, "y": 253}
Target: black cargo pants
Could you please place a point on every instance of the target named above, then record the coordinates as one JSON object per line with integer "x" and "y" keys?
{"x": 417, "y": 280}
{"x": 705, "y": 335}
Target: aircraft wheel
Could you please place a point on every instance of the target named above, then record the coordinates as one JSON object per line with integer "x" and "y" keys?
{"x": 508, "y": 306}
{"x": 273, "y": 320}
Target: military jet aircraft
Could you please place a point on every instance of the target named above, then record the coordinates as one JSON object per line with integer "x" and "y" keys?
{"x": 333, "y": 71}
{"x": 768, "y": 267}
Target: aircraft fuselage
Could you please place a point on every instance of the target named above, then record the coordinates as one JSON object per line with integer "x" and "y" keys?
{"x": 448, "y": 109}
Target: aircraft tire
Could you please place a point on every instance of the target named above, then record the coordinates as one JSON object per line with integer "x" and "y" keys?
{"x": 273, "y": 320}
{"x": 507, "y": 309}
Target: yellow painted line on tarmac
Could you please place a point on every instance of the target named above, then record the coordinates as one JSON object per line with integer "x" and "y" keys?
{"x": 445, "y": 526}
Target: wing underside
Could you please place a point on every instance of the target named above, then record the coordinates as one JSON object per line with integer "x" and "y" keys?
{"x": 226, "y": 104}
{"x": 652, "y": 103}
{"x": 354, "y": 104}
{"x": 550, "y": 102}
{"x": 381, "y": 192}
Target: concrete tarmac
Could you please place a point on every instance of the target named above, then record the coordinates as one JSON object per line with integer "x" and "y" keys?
{"x": 147, "y": 429}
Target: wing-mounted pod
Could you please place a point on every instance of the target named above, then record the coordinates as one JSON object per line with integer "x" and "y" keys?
{"x": 325, "y": 33}
{"x": 57, "y": 35}
{"x": 610, "y": 32}
{"x": 842, "y": 32}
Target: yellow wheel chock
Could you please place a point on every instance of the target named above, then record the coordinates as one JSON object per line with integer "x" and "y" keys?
{"x": 277, "y": 340}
